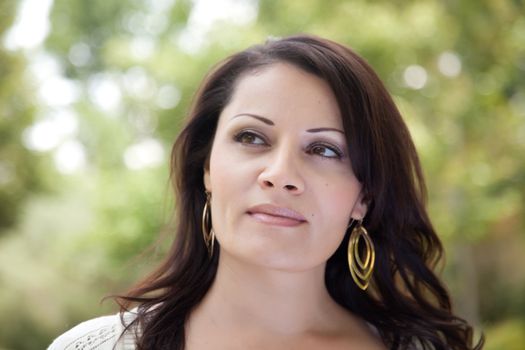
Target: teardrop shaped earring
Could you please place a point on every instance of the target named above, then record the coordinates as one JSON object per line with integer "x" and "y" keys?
{"x": 207, "y": 230}
{"x": 361, "y": 269}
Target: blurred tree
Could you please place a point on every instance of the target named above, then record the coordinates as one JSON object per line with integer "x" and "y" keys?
{"x": 20, "y": 173}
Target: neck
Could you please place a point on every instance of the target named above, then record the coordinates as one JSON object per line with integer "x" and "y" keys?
{"x": 245, "y": 296}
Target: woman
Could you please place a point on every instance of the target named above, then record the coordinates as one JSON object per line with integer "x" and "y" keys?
{"x": 301, "y": 218}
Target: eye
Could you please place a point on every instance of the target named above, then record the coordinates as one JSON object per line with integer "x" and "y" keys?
{"x": 250, "y": 138}
{"x": 324, "y": 150}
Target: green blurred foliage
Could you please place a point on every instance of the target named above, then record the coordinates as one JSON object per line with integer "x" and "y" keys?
{"x": 19, "y": 168}
{"x": 508, "y": 335}
{"x": 69, "y": 239}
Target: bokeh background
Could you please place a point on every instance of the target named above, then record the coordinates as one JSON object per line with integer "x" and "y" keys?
{"x": 92, "y": 95}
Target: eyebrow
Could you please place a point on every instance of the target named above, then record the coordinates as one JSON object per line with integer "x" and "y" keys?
{"x": 269, "y": 122}
{"x": 325, "y": 129}
{"x": 258, "y": 117}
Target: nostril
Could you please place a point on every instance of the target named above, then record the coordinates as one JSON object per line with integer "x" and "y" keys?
{"x": 290, "y": 187}
{"x": 268, "y": 183}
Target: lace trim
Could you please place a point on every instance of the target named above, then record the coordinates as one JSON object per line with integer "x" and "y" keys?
{"x": 129, "y": 336}
{"x": 94, "y": 339}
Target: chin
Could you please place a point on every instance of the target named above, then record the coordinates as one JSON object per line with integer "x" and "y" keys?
{"x": 272, "y": 260}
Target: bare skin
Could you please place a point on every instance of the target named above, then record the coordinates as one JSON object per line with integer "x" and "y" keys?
{"x": 248, "y": 308}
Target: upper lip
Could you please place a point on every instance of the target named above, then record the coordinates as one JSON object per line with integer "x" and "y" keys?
{"x": 275, "y": 210}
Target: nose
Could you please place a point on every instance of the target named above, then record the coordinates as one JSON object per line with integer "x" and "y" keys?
{"x": 282, "y": 172}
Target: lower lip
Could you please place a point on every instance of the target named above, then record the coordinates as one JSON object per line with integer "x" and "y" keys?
{"x": 275, "y": 220}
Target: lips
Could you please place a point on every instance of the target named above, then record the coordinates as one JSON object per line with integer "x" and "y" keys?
{"x": 275, "y": 215}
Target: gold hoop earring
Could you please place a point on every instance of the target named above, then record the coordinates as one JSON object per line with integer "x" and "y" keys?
{"x": 360, "y": 269}
{"x": 207, "y": 230}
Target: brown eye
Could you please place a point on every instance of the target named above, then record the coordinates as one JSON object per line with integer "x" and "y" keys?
{"x": 249, "y": 138}
{"x": 325, "y": 151}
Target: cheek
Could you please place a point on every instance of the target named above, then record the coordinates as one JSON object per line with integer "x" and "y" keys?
{"x": 220, "y": 167}
{"x": 337, "y": 200}
{"x": 230, "y": 169}
{"x": 342, "y": 195}
{"x": 229, "y": 182}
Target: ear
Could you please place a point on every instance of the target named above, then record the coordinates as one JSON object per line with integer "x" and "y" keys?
{"x": 206, "y": 178}
{"x": 360, "y": 208}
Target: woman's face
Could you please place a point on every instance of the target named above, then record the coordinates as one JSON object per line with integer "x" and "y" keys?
{"x": 283, "y": 190}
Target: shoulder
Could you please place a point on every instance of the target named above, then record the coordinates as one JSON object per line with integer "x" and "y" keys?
{"x": 101, "y": 333}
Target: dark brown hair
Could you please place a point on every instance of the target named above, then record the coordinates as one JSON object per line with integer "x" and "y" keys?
{"x": 407, "y": 303}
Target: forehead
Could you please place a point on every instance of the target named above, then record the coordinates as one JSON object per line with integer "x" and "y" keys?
{"x": 282, "y": 90}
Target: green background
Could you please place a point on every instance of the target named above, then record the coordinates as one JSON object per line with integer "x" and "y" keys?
{"x": 114, "y": 78}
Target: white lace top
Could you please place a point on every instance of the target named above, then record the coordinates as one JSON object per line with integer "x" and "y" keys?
{"x": 102, "y": 333}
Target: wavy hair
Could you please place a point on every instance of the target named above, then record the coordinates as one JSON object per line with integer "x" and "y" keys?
{"x": 407, "y": 302}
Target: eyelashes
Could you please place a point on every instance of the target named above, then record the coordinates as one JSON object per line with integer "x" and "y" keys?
{"x": 324, "y": 150}
{"x": 250, "y": 137}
